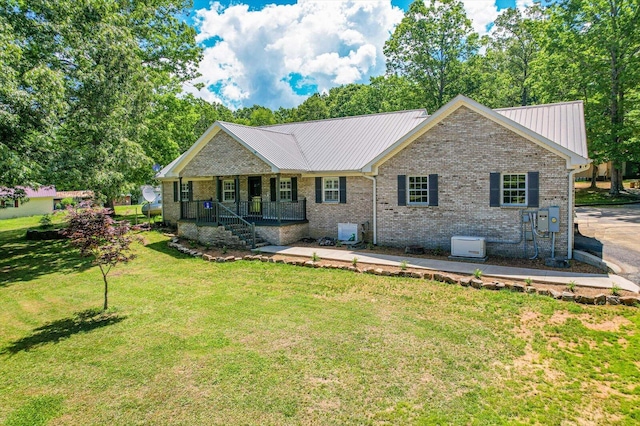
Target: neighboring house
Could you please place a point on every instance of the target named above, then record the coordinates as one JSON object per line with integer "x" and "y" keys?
{"x": 39, "y": 201}
{"x": 405, "y": 178}
{"x": 76, "y": 196}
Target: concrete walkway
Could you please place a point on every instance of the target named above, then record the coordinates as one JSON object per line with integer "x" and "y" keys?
{"x": 537, "y": 275}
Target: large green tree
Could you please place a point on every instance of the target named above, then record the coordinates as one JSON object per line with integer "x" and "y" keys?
{"x": 601, "y": 38}
{"x": 85, "y": 78}
{"x": 429, "y": 47}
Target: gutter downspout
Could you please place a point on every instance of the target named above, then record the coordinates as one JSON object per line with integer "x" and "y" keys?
{"x": 375, "y": 215}
{"x": 570, "y": 213}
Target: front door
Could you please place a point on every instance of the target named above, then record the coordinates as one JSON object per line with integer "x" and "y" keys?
{"x": 255, "y": 196}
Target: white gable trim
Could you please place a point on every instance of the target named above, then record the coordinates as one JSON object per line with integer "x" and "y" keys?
{"x": 202, "y": 141}
{"x": 573, "y": 160}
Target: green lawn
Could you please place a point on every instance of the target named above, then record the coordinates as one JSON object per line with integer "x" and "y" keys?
{"x": 600, "y": 196}
{"x": 190, "y": 342}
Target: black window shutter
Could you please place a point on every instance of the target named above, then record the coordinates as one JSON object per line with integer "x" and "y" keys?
{"x": 272, "y": 188}
{"x": 402, "y": 190}
{"x": 176, "y": 192}
{"x": 294, "y": 189}
{"x": 494, "y": 190}
{"x": 433, "y": 190}
{"x": 237, "y": 189}
{"x": 533, "y": 189}
{"x": 219, "y": 189}
{"x": 342, "y": 181}
{"x": 318, "y": 190}
{"x": 190, "y": 183}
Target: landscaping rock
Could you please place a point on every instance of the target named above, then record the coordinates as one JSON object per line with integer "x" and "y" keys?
{"x": 568, "y": 296}
{"x": 207, "y": 257}
{"x": 444, "y": 278}
{"x": 396, "y": 273}
{"x": 264, "y": 258}
{"x": 543, "y": 292}
{"x": 585, "y": 300}
{"x": 416, "y": 274}
{"x": 248, "y": 257}
{"x": 230, "y": 258}
{"x": 475, "y": 283}
{"x": 555, "y": 294}
{"x": 530, "y": 289}
{"x": 630, "y": 300}
{"x": 352, "y": 269}
{"x": 280, "y": 261}
{"x": 600, "y": 299}
{"x": 464, "y": 282}
{"x": 518, "y": 288}
{"x": 612, "y": 300}
{"x": 369, "y": 271}
{"x": 489, "y": 286}
{"x": 220, "y": 259}
{"x": 427, "y": 275}
{"x": 500, "y": 286}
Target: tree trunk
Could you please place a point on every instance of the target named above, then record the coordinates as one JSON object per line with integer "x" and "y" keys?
{"x": 106, "y": 292}
{"x": 594, "y": 176}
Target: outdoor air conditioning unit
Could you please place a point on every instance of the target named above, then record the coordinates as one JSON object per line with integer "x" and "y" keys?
{"x": 348, "y": 232}
{"x": 468, "y": 247}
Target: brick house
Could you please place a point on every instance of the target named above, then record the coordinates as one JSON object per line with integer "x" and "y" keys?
{"x": 405, "y": 178}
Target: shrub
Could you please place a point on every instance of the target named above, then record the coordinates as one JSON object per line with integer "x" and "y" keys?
{"x": 354, "y": 261}
{"x": 477, "y": 273}
{"x": 571, "y": 286}
{"x": 315, "y": 257}
{"x": 403, "y": 265}
{"x": 615, "y": 290}
{"x": 66, "y": 202}
{"x": 46, "y": 222}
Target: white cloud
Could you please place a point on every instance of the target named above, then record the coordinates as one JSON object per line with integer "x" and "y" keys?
{"x": 481, "y": 13}
{"x": 255, "y": 52}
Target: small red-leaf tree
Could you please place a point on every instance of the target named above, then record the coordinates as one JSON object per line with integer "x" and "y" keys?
{"x": 96, "y": 234}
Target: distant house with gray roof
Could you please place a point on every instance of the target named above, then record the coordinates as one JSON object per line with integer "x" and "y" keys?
{"x": 401, "y": 178}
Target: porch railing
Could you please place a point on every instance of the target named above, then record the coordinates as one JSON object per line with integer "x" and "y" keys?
{"x": 214, "y": 212}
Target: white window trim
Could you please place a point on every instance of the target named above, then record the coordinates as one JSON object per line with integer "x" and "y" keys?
{"x": 286, "y": 190}
{"x": 232, "y": 198}
{"x": 409, "y": 202}
{"x": 324, "y": 190}
{"x": 526, "y": 190}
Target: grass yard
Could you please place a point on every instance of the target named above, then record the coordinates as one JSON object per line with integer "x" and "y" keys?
{"x": 192, "y": 342}
{"x": 599, "y": 196}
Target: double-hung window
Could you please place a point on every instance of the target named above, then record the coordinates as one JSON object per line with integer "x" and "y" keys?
{"x": 514, "y": 189}
{"x": 286, "y": 190}
{"x": 185, "y": 190}
{"x": 418, "y": 190}
{"x": 229, "y": 191}
{"x": 331, "y": 190}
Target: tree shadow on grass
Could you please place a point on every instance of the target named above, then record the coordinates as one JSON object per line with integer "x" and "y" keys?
{"x": 23, "y": 260}
{"x": 162, "y": 247}
{"x": 54, "y": 332}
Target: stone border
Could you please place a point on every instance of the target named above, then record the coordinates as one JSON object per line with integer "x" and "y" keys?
{"x": 600, "y": 299}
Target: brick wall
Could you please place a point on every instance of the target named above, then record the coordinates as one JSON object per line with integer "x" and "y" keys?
{"x": 463, "y": 150}
{"x": 224, "y": 156}
{"x": 171, "y": 210}
{"x": 324, "y": 217}
{"x": 285, "y": 234}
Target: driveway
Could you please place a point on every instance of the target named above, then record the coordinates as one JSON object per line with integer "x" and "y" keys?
{"x": 612, "y": 233}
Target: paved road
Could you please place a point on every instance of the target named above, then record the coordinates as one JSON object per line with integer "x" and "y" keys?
{"x": 612, "y": 233}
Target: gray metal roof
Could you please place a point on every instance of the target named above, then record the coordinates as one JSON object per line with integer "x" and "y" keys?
{"x": 349, "y": 143}
{"x": 277, "y": 147}
{"x": 354, "y": 143}
{"x": 562, "y": 123}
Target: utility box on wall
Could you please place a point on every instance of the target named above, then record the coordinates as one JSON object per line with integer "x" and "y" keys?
{"x": 348, "y": 232}
{"x": 554, "y": 219}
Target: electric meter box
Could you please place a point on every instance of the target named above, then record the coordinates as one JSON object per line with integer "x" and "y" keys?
{"x": 543, "y": 220}
{"x": 554, "y": 219}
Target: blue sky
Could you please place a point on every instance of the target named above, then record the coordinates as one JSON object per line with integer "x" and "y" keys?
{"x": 276, "y": 53}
